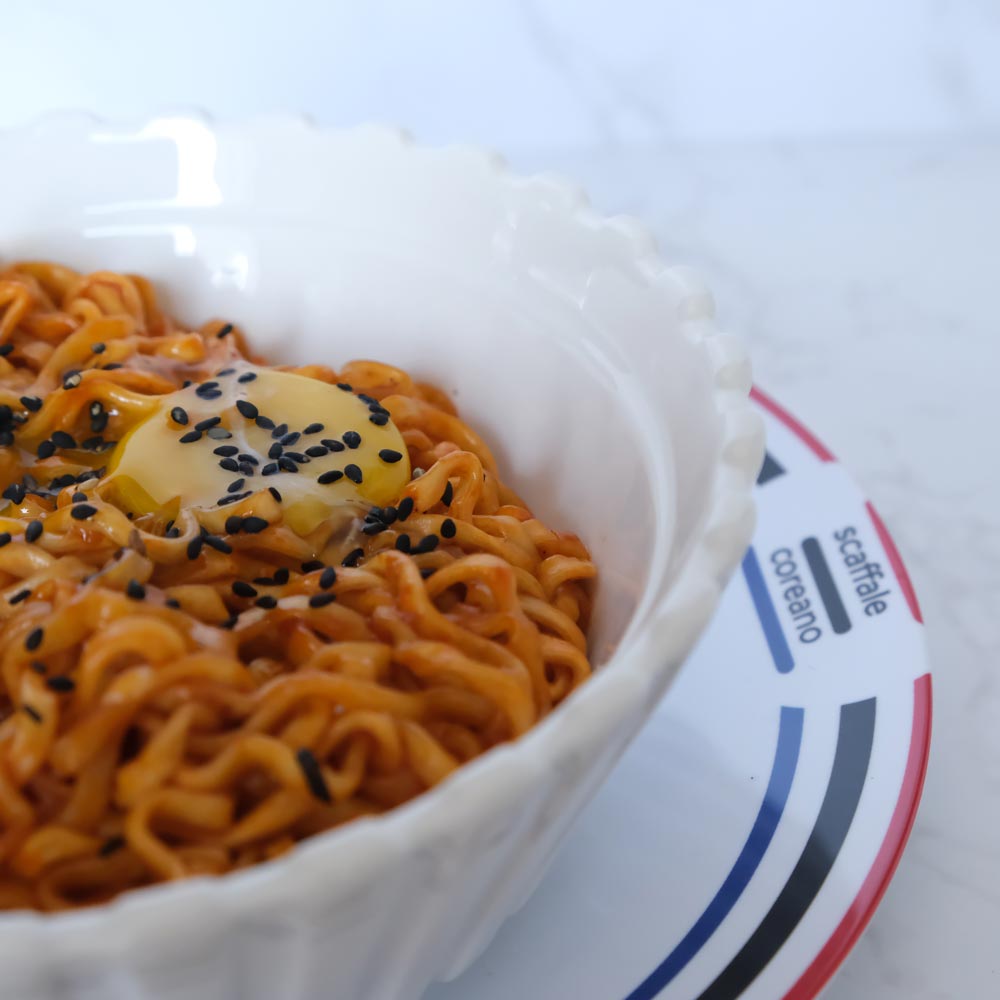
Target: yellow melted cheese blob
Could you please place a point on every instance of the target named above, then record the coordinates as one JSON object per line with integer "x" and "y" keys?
{"x": 328, "y": 455}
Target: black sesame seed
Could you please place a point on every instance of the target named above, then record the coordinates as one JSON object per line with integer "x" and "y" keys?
{"x": 346, "y": 386}
{"x": 247, "y": 409}
{"x": 313, "y": 429}
{"x": 280, "y": 431}
{"x": 5, "y": 349}
{"x": 234, "y": 524}
{"x": 206, "y": 387}
{"x": 173, "y": 532}
{"x": 353, "y": 472}
{"x": 179, "y": 415}
{"x": 111, "y": 367}
{"x": 267, "y": 601}
{"x": 388, "y": 515}
{"x": 219, "y": 544}
{"x": 246, "y": 469}
{"x": 233, "y": 498}
{"x": 225, "y": 450}
{"x": 236, "y": 485}
{"x": 289, "y": 439}
{"x": 6, "y": 438}
{"x": 426, "y": 544}
{"x": 190, "y": 437}
{"x": 448, "y": 528}
{"x": 60, "y": 683}
{"x": 311, "y": 565}
{"x": 254, "y": 525}
{"x": 194, "y": 547}
{"x": 111, "y": 845}
{"x": 329, "y": 477}
{"x": 390, "y": 455}
{"x": 333, "y": 445}
{"x": 34, "y": 639}
{"x": 78, "y": 497}
{"x": 211, "y": 394}
{"x": 81, "y": 511}
{"x": 375, "y": 528}
{"x": 92, "y": 443}
{"x": 365, "y": 398}
{"x": 353, "y": 558}
{"x": 219, "y": 434}
{"x": 229, "y": 622}
{"x": 317, "y": 451}
{"x": 32, "y": 713}
{"x": 403, "y": 543}
{"x": 33, "y": 532}
{"x": 98, "y": 348}
{"x": 264, "y": 422}
{"x": 313, "y": 775}
{"x": 448, "y": 495}
{"x": 172, "y": 602}
{"x": 428, "y": 571}
{"x": 270, "y": 469}
{"x": 225, "y": 331}
{"x": 327, "y": 578}
{"x": 71, "y": 380}
{"x": 5, "y": 537}
{"x": 204, "y": 425}
{"x": 135, "y": 590}
{"x": 250, "y": 459}
{"x": 351, "y": 438}
{"x": 225, "y": 371}
{"x": 321, "y": 600}
{"x": 21, "y": 595}
{"x": 63, "y": 440}
{"x": 297, "y": 456}
{"x": 281, "y": 575}
{"x": 275, "y": 450}
{"x": 287, "y": 464}
{"x": 243, "y": 589}
{"x": 38, "y": 667}
{"x": 379, "y": 419}
{"x": 247, "y": 377}
{"x": 230, "y": 465}
{"x": 32, "y": 403}
{"x": 405, "y": 508}
{"x": 264, "y": 581}
{"x": 14, "y": 493}
{"x": 46, "y": 449}
{"x": 62, "y": 481}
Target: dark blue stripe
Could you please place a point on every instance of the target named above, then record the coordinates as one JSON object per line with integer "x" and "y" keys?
{"x": 786, "y": 758}
{"x": 820, "y": 569}
{"x": 776, "y": 640}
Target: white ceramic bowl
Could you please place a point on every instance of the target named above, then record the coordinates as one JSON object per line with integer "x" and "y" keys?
{"x": 616, "y": 406}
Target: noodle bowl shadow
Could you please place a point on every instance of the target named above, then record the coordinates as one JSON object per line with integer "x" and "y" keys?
{"x": 614, "y": 405}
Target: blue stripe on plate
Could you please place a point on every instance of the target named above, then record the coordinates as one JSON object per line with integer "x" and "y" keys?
{"x": 776, "y": 640}
{"x": 786, "y": 758}
{"x": 836, "y": 814}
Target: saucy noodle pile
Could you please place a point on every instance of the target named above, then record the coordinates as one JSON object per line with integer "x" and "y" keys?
{"x": 189, "y": 688}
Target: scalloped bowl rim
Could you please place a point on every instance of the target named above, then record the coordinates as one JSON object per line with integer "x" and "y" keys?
{"x": 358, "y": 848}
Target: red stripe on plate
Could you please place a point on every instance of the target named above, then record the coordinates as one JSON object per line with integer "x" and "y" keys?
{"x": 806, "y": 437}
{"x": 896, "y": 562}
{"x": 865, "y": 903}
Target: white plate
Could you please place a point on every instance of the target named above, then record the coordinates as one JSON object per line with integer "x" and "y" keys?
{"x": 746, "y": 838}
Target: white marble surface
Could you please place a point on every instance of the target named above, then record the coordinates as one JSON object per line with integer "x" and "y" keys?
{"x": 865, "y": 277}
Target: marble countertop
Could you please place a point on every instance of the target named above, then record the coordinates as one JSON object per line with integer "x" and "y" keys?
{"x": 862, "y": 275}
